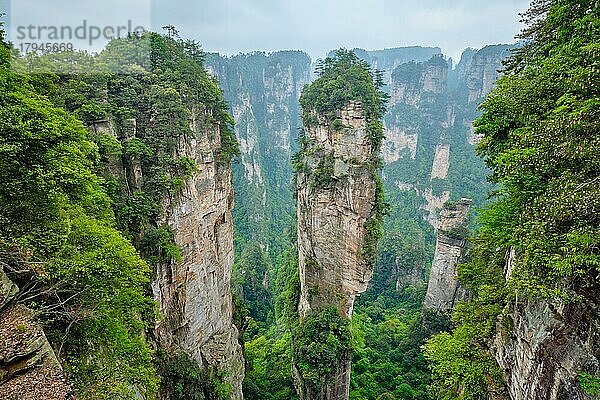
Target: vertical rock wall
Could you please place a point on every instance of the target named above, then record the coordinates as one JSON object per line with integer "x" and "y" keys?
{"x": 331, "y": 219}
{"x": 332, "y": 212}
{"x": 194, "y": 294}
{"x": 547, "y": 345}
{"x": 444, "y": 290}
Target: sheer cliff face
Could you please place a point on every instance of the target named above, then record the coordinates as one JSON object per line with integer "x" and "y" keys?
{"x": 444, "y": 290}
{"x": 29, "y": 369}
{"x": 429, "y": 136}
{"x": 331, "y": 218}
{"x": 546, "y": 347}
{"x": 483, "y": 70}
{"x": 263, "y": 91}
{"x": 194, "y": 294}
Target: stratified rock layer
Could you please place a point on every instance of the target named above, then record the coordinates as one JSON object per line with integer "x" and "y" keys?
{"x": 331, "y": 226}
{"x": 547, "y": 345}
{"x": 195, "y": 294}
{"x": 331, "y": 219}
{"x": 29, "y": 369}
{"x": 444, "y": 290}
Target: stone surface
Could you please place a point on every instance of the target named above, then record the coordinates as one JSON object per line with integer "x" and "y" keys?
{"x": 29, "y": 369}
{"x": 443, "y": 289}
{"x": 331, "y": 220}
{"x": 441, "y": 162}
{"x": 331, "y": 230}
{"x": 545, "y": 349}
{"x": 194, "y": 295}
{"x": 396, "y": 143}
{"x": 483, "y": 70}
{"x": 541, "y": 347}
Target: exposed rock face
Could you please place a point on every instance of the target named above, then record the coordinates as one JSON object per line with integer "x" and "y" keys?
{"x": 195, "y": 294}
{"x": 397, "y": 143}
{"x": 331, "y": 227}
{"x": 441, "y": 161}
{"x": 547, "y": 346}
{"x": 444, "y": 290}
{"x": 484, "y": 69}
{"x": 428, "y": 149}
{"x": 410, "y": 81}
{"x": 29, "y": 369}
{"x": 263, "y": 91}
{"x": 331, "y": 219}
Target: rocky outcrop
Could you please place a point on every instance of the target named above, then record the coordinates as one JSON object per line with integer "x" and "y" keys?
{"x": 546, "y": 348}
{"x": 484, "y": 69}
{"x": 443, "y": 289}
{"x": 441, "y": 162}
{"x": 194, "y": 294}
{"x": 332, "y": 218}
{"x": 336, "y": 197}
{"x": 411, "y": 80}
{"x": 542, "y": 347}
{"x": 29, "y": 369}
{"x": 397, "y": 144}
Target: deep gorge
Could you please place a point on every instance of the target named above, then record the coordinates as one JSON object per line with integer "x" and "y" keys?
{"x": 176, "y": 224}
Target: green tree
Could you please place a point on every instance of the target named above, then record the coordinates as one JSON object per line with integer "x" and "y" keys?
{"x": 91, "y": 284}
{"x": 541, "y": 132}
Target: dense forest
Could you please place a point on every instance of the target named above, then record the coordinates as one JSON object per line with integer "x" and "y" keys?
{"x": 540, "y": 127}
{"x": 81, "y": 232}
{"x": 149, "y": 244}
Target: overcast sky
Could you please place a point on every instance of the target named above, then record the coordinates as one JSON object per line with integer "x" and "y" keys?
{"x": 315, "y": 26}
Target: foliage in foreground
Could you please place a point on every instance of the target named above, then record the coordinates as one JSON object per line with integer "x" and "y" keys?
{"x": 541, "y": 127}
{"x": 92, "y": 282}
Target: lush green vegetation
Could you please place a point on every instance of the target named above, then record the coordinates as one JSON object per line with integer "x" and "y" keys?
{"x": 321, "y": 342}
{"x": 541, "y": 141}
{"x": 388, "y": 328}
{"x": 161, "y": 83}
{"x": 343, "y": 78}
{"x": 91, "y": 282}
{"x": 183, "y": 379}
{"x": 268, "y": 348}
{"x": 87, "y": 204}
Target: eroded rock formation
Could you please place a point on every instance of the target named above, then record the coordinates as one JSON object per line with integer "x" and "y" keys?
{"x": 547, "y": 345}
{"x": 29, "y": 369}
{"x": 444, "y": 290}
{"x": 483, "y": 70}
{"x": 336, "y": 196}
{"x": 194, "y": 294}
{"x": 332, "y": 218}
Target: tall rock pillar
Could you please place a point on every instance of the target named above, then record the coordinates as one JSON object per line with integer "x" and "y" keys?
{"x": 339, "y": 213}
{"x": 194, "y": 293}
{"x": 444, "y": 290}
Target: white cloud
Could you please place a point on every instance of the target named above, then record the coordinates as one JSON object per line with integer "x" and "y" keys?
{"x": 317, "y": 26}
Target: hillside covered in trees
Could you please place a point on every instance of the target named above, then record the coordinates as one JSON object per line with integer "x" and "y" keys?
{"x": 176, "y": 224}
